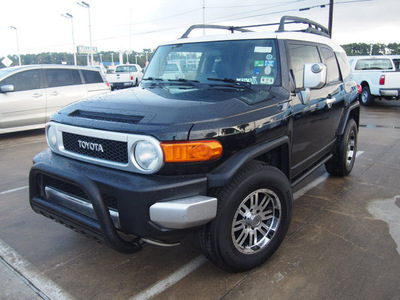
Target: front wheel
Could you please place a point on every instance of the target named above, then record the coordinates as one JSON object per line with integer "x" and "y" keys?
{"x": 254, "y": 213}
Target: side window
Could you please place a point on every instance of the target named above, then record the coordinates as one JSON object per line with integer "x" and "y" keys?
{"x": 301, "y": 54}
{"x": 92, "y": 76}
{"x": 396, "y": 62}
{"x": 62, "y": 77}
{"x": 333, "y": 74}
{"x": 24, "y": 81}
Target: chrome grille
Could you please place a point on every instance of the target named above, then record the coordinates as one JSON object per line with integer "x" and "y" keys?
{"x": 101, "y": 147}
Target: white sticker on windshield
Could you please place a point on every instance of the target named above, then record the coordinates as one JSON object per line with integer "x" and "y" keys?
{"x": 252, "y": 80}
{"x": 267, "y": 80}
{"x": 258, "y": 49}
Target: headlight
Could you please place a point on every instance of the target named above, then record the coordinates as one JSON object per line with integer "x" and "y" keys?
{"x": 148, "y": 156}
{"x": 51, "y": 136}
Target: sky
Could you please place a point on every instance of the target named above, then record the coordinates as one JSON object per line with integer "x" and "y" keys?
{"x": 132, "y": 25}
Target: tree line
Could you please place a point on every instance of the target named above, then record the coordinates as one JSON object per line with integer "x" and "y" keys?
{"x": 140, "y": 57}
{"x": 372, "y": 49}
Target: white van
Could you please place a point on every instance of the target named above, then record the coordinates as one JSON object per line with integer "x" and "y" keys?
{"x": 30, "y": 94}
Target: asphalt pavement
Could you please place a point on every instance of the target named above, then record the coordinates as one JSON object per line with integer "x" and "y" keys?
{"x": 343, "y": 243}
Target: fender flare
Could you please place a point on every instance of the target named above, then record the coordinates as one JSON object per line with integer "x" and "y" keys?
{"x": 346, "y": 116}
{"x": 223, "y": 173}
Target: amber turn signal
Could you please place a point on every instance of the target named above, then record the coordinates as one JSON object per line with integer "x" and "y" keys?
{"x": 175, "y": 152}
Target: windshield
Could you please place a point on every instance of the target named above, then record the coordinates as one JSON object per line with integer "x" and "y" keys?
{"x": 254, "y": 62}
{"x": 4, "y": 72}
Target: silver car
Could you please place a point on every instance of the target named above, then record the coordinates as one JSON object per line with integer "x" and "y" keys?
{"x": 30, "y": 94}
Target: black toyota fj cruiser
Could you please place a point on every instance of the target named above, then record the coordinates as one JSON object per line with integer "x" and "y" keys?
{"x": 211, "y": 143}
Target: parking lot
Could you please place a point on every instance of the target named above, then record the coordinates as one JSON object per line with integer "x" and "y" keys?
{"x": 343, "y": 243}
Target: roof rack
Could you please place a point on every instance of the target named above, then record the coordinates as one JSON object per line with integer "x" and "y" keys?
{"x": 232, "y": 29}
{"x": 313, "y": 27}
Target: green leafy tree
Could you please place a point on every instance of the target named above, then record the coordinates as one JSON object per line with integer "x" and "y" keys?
{"x": 394, "y": 48}
{"x": 357, "y": 49}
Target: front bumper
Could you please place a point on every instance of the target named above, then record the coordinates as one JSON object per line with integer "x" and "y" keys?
{"x": 103, "y": 202}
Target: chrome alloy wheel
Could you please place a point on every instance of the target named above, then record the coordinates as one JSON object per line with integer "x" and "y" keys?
{"x": 351, "y": 143}
{"x": 256, "y": 221}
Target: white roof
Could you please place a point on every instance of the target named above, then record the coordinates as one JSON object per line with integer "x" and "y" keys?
{"x": 298, "y": 36}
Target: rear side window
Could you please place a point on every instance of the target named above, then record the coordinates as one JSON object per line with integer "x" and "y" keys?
{"x": 62, "y": 77}
{"x": 333, "y": 74}
{"x": 344, "y": 65}
{"x": 396, "y": 62}
{"x": 92, "y": 76}
{"x": 301, "y": 54}
{"x": 23, "y": 81}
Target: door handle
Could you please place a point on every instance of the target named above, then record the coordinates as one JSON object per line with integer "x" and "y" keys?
{"x": 37, "y": 95}
{"x": 55, "y": 93}
{"x": 329, "y": 101}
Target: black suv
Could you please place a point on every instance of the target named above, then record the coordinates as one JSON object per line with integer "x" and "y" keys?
{"x": 212, "y": 143}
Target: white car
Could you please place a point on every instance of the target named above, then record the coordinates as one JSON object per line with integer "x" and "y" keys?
{"x": 30, "y": 94}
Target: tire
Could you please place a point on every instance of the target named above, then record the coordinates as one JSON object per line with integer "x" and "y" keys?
{"x": 366, "y": 98}
{"x": 254, "y": 213}
{"x": 344, "y": 156}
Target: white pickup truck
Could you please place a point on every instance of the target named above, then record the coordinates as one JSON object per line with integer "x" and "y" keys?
{"x": 378, "y": 77}
{"x": 125, "y": 76}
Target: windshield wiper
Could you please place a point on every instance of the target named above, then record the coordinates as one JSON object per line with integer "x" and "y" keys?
{"x": 156, "y": 81}
{"x": 234, "y": 83}
{"x": 195, "y": 83}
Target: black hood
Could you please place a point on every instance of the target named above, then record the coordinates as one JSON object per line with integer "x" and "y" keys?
{"x": 166, "y": 113}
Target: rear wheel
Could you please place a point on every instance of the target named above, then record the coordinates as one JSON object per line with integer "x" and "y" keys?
{"x": 344, "y": 157}
{"x": 254, "y": 213}
{"x": 366, "y": 97}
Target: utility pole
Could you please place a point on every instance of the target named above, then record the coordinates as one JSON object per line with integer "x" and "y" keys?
{"x": 204, "y": 16}
{"x": 86, "y": 5}
{"x": 69, "y": 16}
{"x": 16, "y": 34}
{"x": 330, "y": 17}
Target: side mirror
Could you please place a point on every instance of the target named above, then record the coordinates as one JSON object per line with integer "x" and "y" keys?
{"x": 314, "y": 78}
{"x": 314, "y": 75}
{"x": 7, "y": 88}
